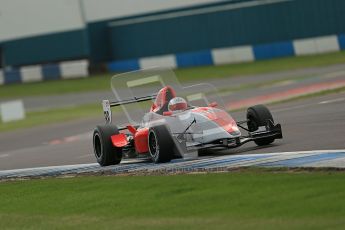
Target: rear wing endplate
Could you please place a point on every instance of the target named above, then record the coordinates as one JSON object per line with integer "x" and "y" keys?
{"x": 106, "y": 111}
{"x": 106, "y": 104}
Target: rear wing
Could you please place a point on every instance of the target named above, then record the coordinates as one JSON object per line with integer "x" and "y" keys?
{"x": 106, "y": 104}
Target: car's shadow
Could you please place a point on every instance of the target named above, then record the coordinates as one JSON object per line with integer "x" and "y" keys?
{"x": 215, "y": 153}
{"x": 240, "y": 150}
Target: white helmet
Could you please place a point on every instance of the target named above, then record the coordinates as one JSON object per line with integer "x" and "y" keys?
{"x": 177, "y": 103}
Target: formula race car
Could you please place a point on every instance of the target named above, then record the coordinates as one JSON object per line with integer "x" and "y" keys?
{"x": 176, "y": 125}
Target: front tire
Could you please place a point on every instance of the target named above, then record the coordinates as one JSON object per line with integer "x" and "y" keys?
{"x": 160, "y": 144}
{"x": 259, "y": 115}
{"x": 105, "y": 152}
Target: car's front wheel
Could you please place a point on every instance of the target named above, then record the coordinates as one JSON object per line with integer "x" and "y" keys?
{"x": 160, "y": 144}
{"x": 259, "y": 115}
{"x": 105, "y": 152}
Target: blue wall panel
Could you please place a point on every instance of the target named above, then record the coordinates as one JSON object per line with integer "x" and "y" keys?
{"x": 126, "y": 65}
{"x": 194, "y": 58}
{"x": 12, "y": 76}
{"x": 274, "y": 50}
{"x": 51, "y": 72}
{"x": 341, "y": 40}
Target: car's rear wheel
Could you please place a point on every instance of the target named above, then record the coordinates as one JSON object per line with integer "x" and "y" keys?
{"x": 259, "y": 115}
{"x": 105, "y": 152}
{"x": 160, "y": 144}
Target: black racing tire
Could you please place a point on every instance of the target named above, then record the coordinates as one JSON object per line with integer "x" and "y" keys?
{"x": 105, "y": 152}
{"x": 259, "y": 115}
{"x": 161, "y": 144}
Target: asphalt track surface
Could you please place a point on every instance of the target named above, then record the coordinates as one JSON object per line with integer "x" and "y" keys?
{"x": 311, "y": 124}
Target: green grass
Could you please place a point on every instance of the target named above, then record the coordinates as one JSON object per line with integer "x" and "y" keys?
{"x": 251, "y": 199}
{"x": 52, "y": 116}
{"x": 102, "y": 82}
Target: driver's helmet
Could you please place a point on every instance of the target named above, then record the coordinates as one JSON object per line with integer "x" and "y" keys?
{"x": 177, "y": 103}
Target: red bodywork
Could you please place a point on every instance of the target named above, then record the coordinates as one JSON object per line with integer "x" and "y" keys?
{"x": 119, "y": 140}
{"x": 140, "y": 140}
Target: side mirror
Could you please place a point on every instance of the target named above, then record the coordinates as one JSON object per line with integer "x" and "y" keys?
{"x": 213, "y": 104}
{"x": 167, "y": 113}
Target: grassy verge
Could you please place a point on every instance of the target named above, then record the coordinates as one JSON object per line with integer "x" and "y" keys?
{"x": 241, "y": 200}
{"x": 102, "y": 82}
{"x": 52, "y": 116}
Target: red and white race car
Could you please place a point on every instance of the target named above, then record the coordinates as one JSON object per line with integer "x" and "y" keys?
{"x": 174, "y": 126}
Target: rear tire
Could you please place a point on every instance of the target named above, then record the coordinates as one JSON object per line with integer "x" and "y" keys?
{"x": 161, "y": 144}
{"x": 259, "y": 115}
{"x": 105, "y": 152}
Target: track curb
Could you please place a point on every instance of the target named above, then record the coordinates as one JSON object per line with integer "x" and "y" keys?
{"x": 334, "y": 159}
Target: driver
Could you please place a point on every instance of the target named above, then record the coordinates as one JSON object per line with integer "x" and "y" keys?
{"x": 177, "y": 104}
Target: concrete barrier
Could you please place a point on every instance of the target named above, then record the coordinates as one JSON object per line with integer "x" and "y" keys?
{"x": 36, "y": 73}
{"x": 12, "y": 111}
